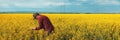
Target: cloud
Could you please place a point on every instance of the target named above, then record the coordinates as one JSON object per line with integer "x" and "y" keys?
{"x": 82, "y": 0}
{"x": 60, "y": 5}
{"x": 32, "y": 3}
{"x": 49, "y": 3}
{"x": 107, "y": 2}
{"x": 41, "y": 5}
{"x": 36, "y": 3}
{"x": 4, "y": 5}
{"x": 26, "y": 5}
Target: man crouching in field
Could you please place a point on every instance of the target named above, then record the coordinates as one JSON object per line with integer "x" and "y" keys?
{"x": 44, "y": 23}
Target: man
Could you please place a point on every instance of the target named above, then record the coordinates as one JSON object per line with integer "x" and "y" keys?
{"x": 44, "y": 23}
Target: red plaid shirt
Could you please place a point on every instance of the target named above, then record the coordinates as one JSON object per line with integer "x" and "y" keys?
{"x": 44, "y": 23}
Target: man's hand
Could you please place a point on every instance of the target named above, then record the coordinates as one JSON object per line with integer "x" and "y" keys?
{"x": 33, "y": 28}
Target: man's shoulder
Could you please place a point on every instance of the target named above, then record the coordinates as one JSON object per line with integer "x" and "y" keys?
{"x": 43, "y": 16}
{"x": 39, "y": 17}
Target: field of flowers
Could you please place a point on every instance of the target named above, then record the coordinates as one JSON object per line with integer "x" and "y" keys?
{"x": 67, "y": 27}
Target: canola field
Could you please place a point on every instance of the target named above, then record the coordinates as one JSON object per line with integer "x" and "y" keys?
{"x": 67, "y": 27}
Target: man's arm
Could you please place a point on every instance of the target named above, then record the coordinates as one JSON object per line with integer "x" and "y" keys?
{"x": 38, "y": 28}
{"x": 40, "y": 24}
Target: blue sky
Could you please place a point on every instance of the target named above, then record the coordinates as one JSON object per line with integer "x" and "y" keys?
{"x": 99, "y": 6}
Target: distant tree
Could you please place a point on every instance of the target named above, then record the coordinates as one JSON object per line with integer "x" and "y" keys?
{"x": 87, "y": 13}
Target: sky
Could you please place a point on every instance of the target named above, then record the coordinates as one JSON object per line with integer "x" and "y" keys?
{"x": 93, "y": 6}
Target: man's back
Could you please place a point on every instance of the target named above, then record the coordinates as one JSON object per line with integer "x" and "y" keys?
{"x": 45, "y": 22}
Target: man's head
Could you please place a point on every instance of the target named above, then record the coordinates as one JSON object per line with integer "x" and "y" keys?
{"x": 35, "y": 15}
